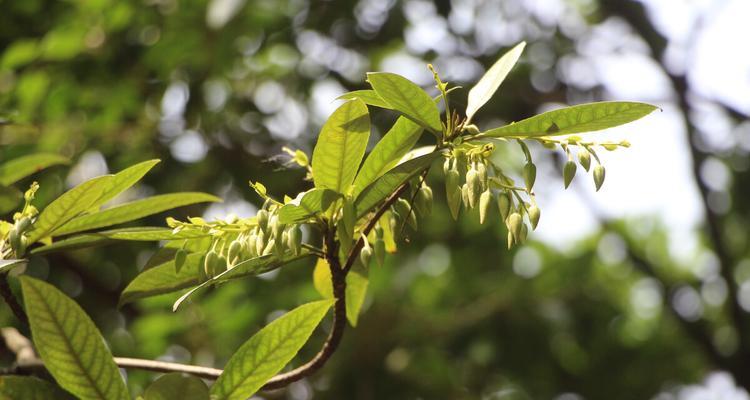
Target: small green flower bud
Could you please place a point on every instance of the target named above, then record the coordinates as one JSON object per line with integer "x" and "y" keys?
{"x": 482, "y": 175}
{"x": 221, "y": 265}
{"x": 262, "y": 217}
{"x": 610, "y": 146}
{"x": 534, "y": 215}
{"x": 504, "y": 204}
{"x": 212, "y": 258}
{"x": 403, "y": 208}
{"x": 23, "y": 224}
{"x": 510, "y": 240}
{"x": 472, "y": 129}
{"x": 364, "y": 256}
{"x": 270, "y": 247}
{"x": 584, "y": 158}
{"x": 453, "y": 191}
{"x": 234, "y": 251}
{"x": 524, "y": 233}
{"x": 529, "y": 175}
{"x": 379, "y": 251}
{"x": 423, "y": 201}
{"x": 202, "y": 269}
{"x": 260, "y": 243}
{"x": 515, "y": 223}
{"x": 474, "y": 187}
{"x": 598, "y": 176}
{"x": 569, "y": 171}
{"x": 14, "y": 237}
{"x": 179, "y": 260}
{"x": 485, "y": 200}
{"x": 295, "y": 239}
{"x": 446, "y": 165}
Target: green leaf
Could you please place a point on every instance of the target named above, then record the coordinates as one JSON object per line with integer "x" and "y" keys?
{"x": 10, "y": 198}
{"x": 369, "y": 97}
{"x": 30, "y": 388}
{"x": 408, "y": 98}
{"x": 68, "y": 342}
{"x": 387, "y": 152}
{"x": 177, "y": 386}
{"x": 490, "y": 82}
{"x": 388, "y": 183}
{"x": 140, "y": 233}
{"x": 268, "y": 351}
{"x": 68, "y": 206}
{"x": 341, "y": 146}
{"x": 132, "y": 211}
{"x": 356, "y": 288}
{"x": 253, "y": 266}
{"x": 576, "y": 119}
{"x": 163, "y": 279}
{"x": 306, "y": 205}
{"x": 21, "y": 167}
{"x": 124, "y": 179}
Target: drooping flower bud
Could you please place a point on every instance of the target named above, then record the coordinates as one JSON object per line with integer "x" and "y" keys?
{"x": 584, "y": 158}
{"x": 598, "y": 176}
{"x": 295, "y": 239}
{"x": 234, "y": 251}
{"x": 423, "y": 201}
{"x": 453, "y": 192}
{"x": 262, "y": 217}
{"x": 260, "y": 243}
{"x": 474, "y": 187}
{"x": 569, "y": 171}
{"x": 504, "y": 204}
{"x": 482, "y": 175}
{"x": 403, "y": 208}
{"x": 529, "y": 175}
{"x": 515, "y": 223}
{"x": 209, "y": 264}
{"x": 534, "y": 214}
{"x": 485, "y": 200}
{"x": 380, "y": 251}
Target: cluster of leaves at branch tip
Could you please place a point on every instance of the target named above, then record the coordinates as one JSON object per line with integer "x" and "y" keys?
{"x": 359, "y": 206}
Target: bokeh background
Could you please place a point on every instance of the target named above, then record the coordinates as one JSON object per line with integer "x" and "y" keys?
{"x": 640, "y": 291}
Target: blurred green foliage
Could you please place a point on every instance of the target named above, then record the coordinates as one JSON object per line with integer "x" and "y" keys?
{"x": 215, "y": 89}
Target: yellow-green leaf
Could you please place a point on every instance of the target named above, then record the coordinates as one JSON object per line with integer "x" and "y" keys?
{"x": 387, "y": 152}
{"x": 30, "y": 388}
{"x": 140, "y": 233}
{"x": 407, "y": 98}
{"x": 268, "y": 351}
{"x": 132, "y": 211}
{"x": 70, "y": 345}
{"x": 306, "y": 205}
{"x": 163, "y": 279}
{"x": 490, "y": 82}
{"x": 68, "y": 206}
{"x": 21, "y": 167}
{"x": 369, "y": 97}
{"x": 125, "y": 179}
{"x": 576, "y": 119}
{"x": 176, "y": 386}
{"x": 356, "y": 288}
{"x": 341, "y": 146}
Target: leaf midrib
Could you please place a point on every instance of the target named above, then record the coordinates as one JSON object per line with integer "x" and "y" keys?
{"x": 69, "y": 345}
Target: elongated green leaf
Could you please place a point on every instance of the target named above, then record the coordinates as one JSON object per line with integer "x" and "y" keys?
{"x": 406, "y": 97}
{"x": 68, "y": 206}
{"x": 21, "y": 167}
{"x": 356, "y": 288}
{"x": 125, "y": 179}
{"x": 141, "y": 233}
{"x": 306, "y": 205}
{"x": 268, "y": 351}
{"x": 132, "y": 211}
{"x": 341, "y": 146}
{"x": 176, "y": 386}
{"x": 490, "y": 82}
{"x": 576, "y": 119}
{"x": 388, "y": 183}
{"x": 369, "y": 97}
{"x": 253, "y": 266}
{"x": 30, "y": 388}
{"x": 163, "y": 279}
{"x": 386, "y": 154}
{"x": 72, "y": 348}
{"x": 10, "y": 198}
